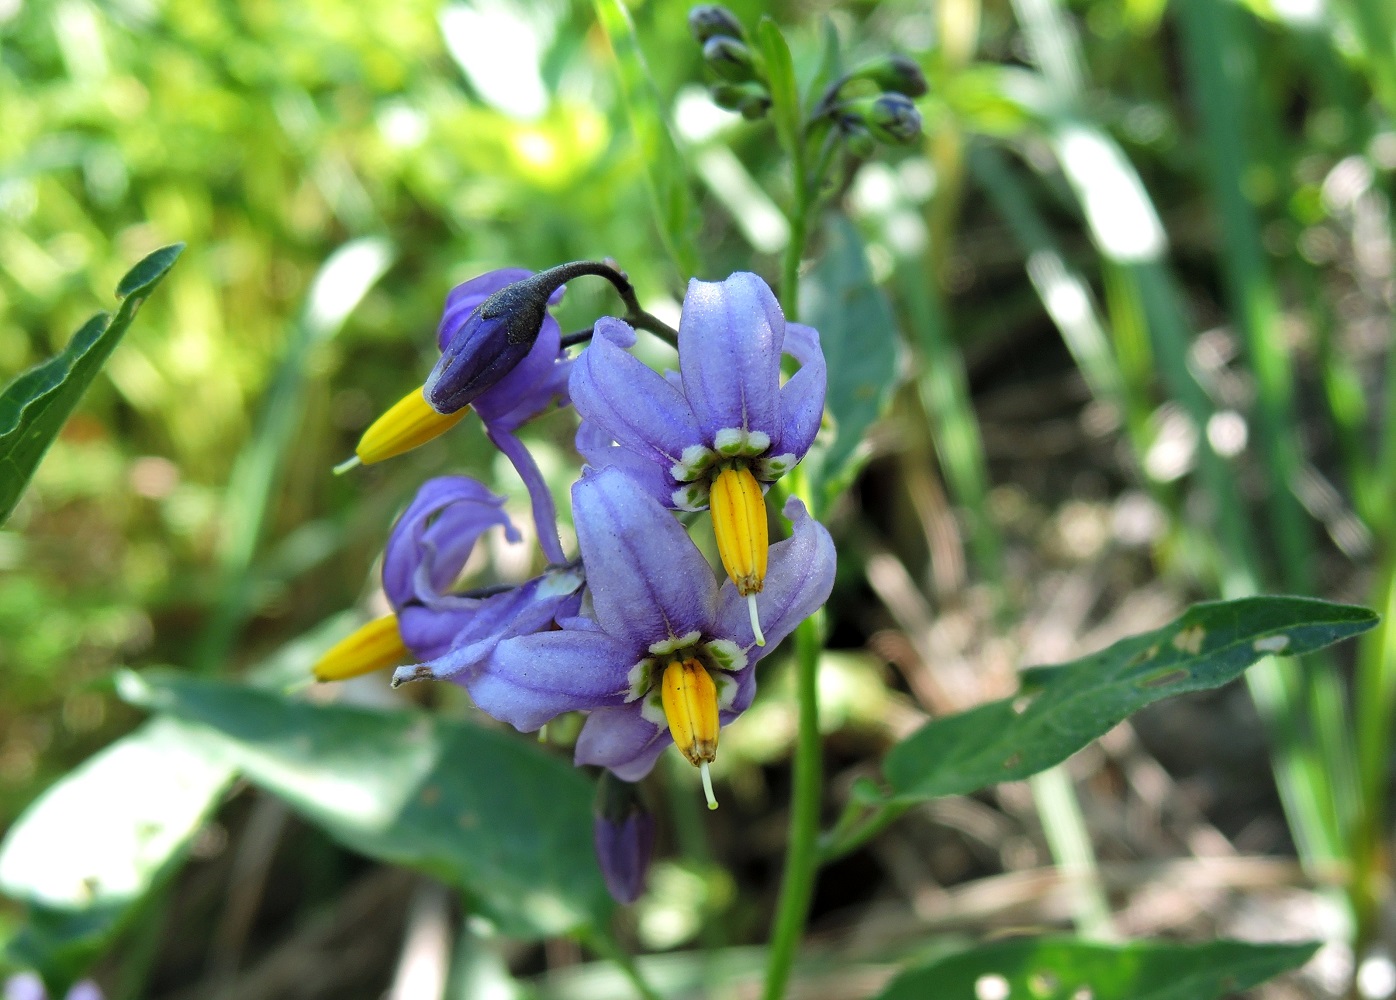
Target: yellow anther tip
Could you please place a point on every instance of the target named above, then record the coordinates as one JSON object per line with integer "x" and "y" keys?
{"x": 371, "y": 647}
{"x": 407, "y": 424}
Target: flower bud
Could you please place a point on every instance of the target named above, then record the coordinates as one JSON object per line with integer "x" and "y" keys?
{"x": 890, "y": 118}
{"x": 896, "y": 73}
{"x": 750, "y": 99}
{"x": 492, "y": 340}
{"x": 729, "y": 58}
{"x": 859, "y": 141}
{"x": 708, "y": 20}
{"x": 623, "y": 831}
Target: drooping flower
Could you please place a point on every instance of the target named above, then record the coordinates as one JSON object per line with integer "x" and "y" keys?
{"x": 509, "y": 367}
{"x": 721, "y": 431}
{"x": 666, "y": 653}
{"x": 426, "y": 552}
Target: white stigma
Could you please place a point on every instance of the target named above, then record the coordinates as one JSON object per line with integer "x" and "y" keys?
{"x": 755, "y": 621}
{"x": 352, "y": 462}
{"x": 708, "y": 785}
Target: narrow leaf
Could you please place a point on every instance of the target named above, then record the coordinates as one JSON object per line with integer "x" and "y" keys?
{"x": 35, "y": 406}
{"x": 91, "y": 847}
{"x": 859, "y": 337}
{"x": 1064, "y": 969}
{"x": 785, "y": 90}
{"x": 485, "y": 811}
{"x": 1061, "y": 709}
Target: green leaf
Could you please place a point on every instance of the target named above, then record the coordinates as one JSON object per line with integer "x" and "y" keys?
{"x": 35, "y": 406}
{"x": 859, "y": 337}
{"x": 1064, "y": 968}
{"x": 486, "y": 811}
{"x": 785, "y": 90}
{"x": 1061, "y": 709}
{"x": 665, "y": 164}
{"x": 91, "y": 847}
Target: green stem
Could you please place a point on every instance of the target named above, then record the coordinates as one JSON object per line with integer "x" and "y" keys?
{"x": 802, "y": 855}
{"x": 606, "y": 946}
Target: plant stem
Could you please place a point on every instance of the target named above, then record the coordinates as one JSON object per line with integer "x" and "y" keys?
{"x": 603, "y": 944}
{"x": 802, "y": 853}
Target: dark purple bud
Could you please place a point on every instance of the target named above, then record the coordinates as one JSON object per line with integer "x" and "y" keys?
{"x": 751, "y": 99}
{"x": 708, "y": 20}
{"x": 897, "y": 73}
{"x": 624, "y": 834}
{"x": 729, "y": 58}
{"x": 889, "y": 118}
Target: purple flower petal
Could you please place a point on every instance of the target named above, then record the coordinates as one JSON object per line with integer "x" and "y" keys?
{"x": 802, "y": 398}
{"x": 534, "y": 678}
{"x": 623, "y": 851}
{"x": 798, "y": 582}
{"x": 433, "y": 538}
{"x": 647, "y": 579}
{"x": 730, "y": 337}
{"x": 84, "y": 989}
{"x": 25, "y": 986}
{"x": 537, "y": 383}
{"x": 631, "y": 402}
{"x": 544, "y": 510}
{"x": 622, "y": 740}
{"x": 594, "y": 445}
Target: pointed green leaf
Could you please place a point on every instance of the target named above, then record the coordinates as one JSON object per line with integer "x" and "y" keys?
{"x": 486, "y": 811}
{"x": 35, "y": 406}
{"x": 93, "y": 846}
{"x": 1061, "y": 709}
{"x": 859, "y": 337}
{"x": 1065, "y": 969}
{"x": 780, "y": 77}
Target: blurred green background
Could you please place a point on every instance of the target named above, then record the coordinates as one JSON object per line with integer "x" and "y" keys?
{"x": 1146, "y": 313}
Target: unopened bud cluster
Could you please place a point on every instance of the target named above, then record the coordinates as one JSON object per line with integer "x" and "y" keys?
{"x": 873, "y": 104}
{"x": 741, "y": 84}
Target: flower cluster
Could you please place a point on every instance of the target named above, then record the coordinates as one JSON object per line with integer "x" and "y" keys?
{"x": 636, "y": 630}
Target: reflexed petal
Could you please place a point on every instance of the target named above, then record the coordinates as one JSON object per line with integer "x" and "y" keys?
{"x": 647, "y": 579}
{"x": 623, "y": 740}
{"x": 730, "y": 337}
{"x": 595, "y": 446}
{"x": 432, "y": 540}
{"x": 802, "y": 398}
{"x": 632, "y": 403}
{"x": 535, "y": 678}
{"x": 458, "y": 635}
{"x": 544, "y": 510}
{"x": 798, "y": 582}
{"x": 462, "y": 300}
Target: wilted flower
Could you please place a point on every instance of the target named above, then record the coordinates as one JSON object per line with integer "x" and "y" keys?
{"x": 722, "y": 430}
{"x": 666, "y": 655}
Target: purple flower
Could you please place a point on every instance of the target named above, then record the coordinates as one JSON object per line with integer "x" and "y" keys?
{"x": 725, "y": 408}
{"x": 655, "y": 608}
{"x": 535, "y": 382}
{"x": 27, "y": 986}
{"x": 427, "y": 551}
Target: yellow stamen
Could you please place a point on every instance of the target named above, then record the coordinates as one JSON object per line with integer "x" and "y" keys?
{"x": 739, "y": 522}
{"x": 373, "y": 647}
{"x": 407, "y": 424}
{"x": 690, "y": 706}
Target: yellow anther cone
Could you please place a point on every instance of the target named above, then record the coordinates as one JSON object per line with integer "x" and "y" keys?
{"x": 739, "y": 522}
{"x": 372, "y": 647}
{"x": 690, "y": 707}
{"x": 408, "y": 423}
{"x": 743, "y": 541}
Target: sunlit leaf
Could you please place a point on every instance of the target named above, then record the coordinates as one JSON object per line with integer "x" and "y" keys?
{"x": 91, "y": 848}
{"x": 489, "y": 812}
{"x": 785, "y": 90}
{"x": 35, "y": 406}
{"x": 1061, "y": 709}
{"x": 1067, "y": 969}
{"x": 859, "y": 337}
